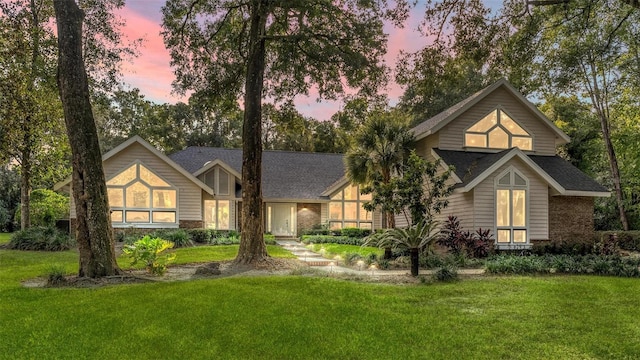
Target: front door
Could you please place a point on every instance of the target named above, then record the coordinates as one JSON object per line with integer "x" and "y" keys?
{"x": 281, "y": 219}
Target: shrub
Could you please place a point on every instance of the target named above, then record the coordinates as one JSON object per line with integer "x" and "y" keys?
{"x": 201, "y": 236}
{"x": 446, "y": 274}
{"x": 41, "y": 238}
{"x": 627, "y": 240}
{"x": 56, "y": 276}
{"x": 269, "y": 239}
{"x": 567, "y": 264}
{"x": 476, "y": 245}
{"x": 355, "y": 232}
{"x": 351, "y": 258}
{"x": 324, "y": 239}
{"x": 46, "y": 207}
{"x": 149, "y": 251}
{"x": 179, "y": 237}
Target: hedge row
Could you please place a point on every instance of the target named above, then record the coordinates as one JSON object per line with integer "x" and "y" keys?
{"x": 627, "y": 240}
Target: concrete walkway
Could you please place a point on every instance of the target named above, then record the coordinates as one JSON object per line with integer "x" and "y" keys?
{"x": 316, "y": 261}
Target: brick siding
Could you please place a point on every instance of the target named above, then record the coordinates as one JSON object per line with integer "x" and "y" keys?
{"x": 570, "y": 216}
{"x": 308, "y": 216}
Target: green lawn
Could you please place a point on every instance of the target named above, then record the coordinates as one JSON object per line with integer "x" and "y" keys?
{"x": 4, "y": 238}
{"x": 301, "y": 317}
{"x": 331, "y": 250}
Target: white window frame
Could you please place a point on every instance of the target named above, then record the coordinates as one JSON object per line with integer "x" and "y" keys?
{"x": 498, "y": 110}
{"x": 358, "y": 201}
{"x": 151, "y": 210}
{"x": 511, "y": 170}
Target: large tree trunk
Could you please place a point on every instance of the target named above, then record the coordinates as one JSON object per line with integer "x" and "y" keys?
{"x": 252, "y": 246}
{"x": 93, "y": 224}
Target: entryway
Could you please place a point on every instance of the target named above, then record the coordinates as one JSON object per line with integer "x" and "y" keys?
{"x": 281, "y": 219}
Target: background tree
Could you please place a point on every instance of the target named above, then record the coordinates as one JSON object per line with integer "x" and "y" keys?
{"x": 93, "y": 223}
{"x": 229, "y": 48}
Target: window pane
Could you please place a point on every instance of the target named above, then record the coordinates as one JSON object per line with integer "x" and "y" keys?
{"x": 138, "y": 195}
{"x": 150, "y": 178}
{"x": 475, "y": 140}
{"x": 519, "y": 236}
{"x": 223, "y": 182}
{"x": 350, "y": 225}
{"x": 364, "y": 214}
{"x": 223, "y": 214}
{"x": 365, "y": 197}
{"x": 335, "y": 210}
{"x": 137, "y": 216}
{"x": 116, "y": 198}
{"x": 519, "y": 180}
{"x": 365, "y": 225}
{"x": 350, "y": 209}
{"x": 486, "y": 123}
{"x": 209, "y": 179}
{"x": 502, "y": 208}
{"x": 504, "y": 236}
{"x": 505, "y": 180}
{"x": 210, "y": 214}
{"x": 337, "y": 196}
{"x": 511, "y": 125}
{"x": 124, "y": 177}
{"x": 164, "y": 217}
{"x": 350, "y": 193}
{"x": 523, "y": 143}
{"x": 498, "y": 139}
{"x": 519, "y": 208}
{"x": 335, "y": 225}
{"x": 116, "y": 216}
{"x": 164, "y": 199}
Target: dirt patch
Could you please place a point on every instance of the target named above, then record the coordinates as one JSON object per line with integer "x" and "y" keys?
{"x": 175, "y": 273}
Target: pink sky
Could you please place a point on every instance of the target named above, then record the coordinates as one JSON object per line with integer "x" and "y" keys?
{"x": 152, "y": 74}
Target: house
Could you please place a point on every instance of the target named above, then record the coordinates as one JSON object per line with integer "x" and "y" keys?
{"x": 200, "y": 187}
{"x": 508, "y": 177}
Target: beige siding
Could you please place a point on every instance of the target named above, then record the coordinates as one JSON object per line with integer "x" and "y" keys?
{"x": 424, "y": 146}
{"x": 377, "y": 220}
{"x": 538, "y": 202}
{"x": 451, "y": 137}
{"x": 324, "y": 213}
{"x": 401, "y": 220}
{"x": 189, "y": 194}
{"x": 461, "y": 206}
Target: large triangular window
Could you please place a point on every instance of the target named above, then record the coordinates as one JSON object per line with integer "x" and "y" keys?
{"x": 497, "y": 130}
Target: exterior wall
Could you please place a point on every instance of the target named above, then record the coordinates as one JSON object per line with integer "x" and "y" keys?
{"x": 191, "y": 224}
{"x": 324, "y": 213}
{"x": 570, "y": 216}
{"x": 308, "y": 216}
{"x": 451, "y": 137}
{"x": 424, "y": 146}
{"x": 538, "y": 202}
{"x": 234, "y": 208}
{"x": 189, "y": 194}
{"x": 461, "y": 206}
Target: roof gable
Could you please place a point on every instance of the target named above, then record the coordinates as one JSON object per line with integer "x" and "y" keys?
{"x": 440, "y": 120}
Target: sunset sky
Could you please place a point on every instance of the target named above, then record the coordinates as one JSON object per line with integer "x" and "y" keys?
{"x": 152, "y": 74}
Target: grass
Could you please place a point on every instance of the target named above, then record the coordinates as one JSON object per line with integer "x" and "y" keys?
{"x": 289, "y": 317}
{"x": 4, "y": 238}
{"x": 331, "y": 250}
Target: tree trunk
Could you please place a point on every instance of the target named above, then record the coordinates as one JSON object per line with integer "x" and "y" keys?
{"x": 415, "y": 261}
{"x": 93, "y": 223}
{"x": 615, "y": 172}
{"x": 25, "y": 184}
{"x": 252, "y": 246}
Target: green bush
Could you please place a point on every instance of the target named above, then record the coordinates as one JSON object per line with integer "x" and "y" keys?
{"x": 573, "y": 245}
{"x": 149, "y": 251}
{"x": 446, "y": 274}
{"x": 201, "y": 236}
{"x": 269, "y": 239}
{"x": 46, "y": 207}
{"x": 565, "y": 264}
{"x": 40, "y": 238}
{"x": 627, "y": 240}
{"x": 179, "y": 237}
{"x": 355, "y": 232}
{"x": 324, "y": 239}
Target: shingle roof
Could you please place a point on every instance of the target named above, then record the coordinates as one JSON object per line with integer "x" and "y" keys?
{"x": 469, "y": 165}
{"x": 285, "y": 174}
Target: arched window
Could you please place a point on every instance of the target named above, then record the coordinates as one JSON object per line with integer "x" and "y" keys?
{"x": 346, "y": 209}
{"x": 511, "y": 208}
{"x": 139, "y": 196}
{"x": 497, "y": 130}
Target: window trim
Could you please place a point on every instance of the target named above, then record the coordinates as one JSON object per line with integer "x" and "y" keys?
{"x": 510, "y": 136}
{"x": 358, "y": 202}
{"x": 511, "y": 170}
{"x": 151, "y": 209}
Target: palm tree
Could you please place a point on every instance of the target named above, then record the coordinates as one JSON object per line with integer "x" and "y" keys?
{"x": 414, "y": 238}
{"x": 379, "y": 149}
